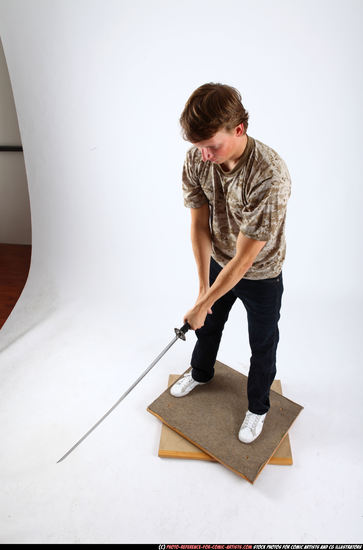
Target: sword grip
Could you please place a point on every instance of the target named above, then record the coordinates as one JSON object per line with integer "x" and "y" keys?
{"x": 180, "y": 332}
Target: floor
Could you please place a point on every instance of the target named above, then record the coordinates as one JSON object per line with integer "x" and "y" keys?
{"x": 14, "y": 268}
{"x": 71, "y": 365}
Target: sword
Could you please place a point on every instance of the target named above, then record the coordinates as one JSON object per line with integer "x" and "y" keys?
{"x": 180, "y": 333}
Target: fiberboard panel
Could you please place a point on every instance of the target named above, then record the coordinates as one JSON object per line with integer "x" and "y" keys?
{"x": 173, "y": 445}
{"x": 210, "y": 417}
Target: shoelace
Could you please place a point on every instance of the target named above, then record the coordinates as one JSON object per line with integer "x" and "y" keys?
{"x": 186, "y": 379}
{"x": 250, "y": 421}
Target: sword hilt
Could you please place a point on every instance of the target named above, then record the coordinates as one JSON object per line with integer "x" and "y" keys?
{"x": 180, "y": 332}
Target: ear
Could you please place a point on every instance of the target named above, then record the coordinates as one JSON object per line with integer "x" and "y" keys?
{"x": 240, "y": 129}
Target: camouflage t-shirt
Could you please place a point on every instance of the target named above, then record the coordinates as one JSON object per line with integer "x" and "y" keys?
{"x": 251, "y": 198}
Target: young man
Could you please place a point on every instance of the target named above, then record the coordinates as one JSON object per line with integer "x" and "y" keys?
{"x": 237, "y": 189}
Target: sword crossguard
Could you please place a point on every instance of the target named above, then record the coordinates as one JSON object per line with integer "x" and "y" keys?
{"x": 180, "y": 332}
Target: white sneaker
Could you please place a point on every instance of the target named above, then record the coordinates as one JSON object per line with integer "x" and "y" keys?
{"x": 184, "y": 385}
{"x": 251, "y": 427}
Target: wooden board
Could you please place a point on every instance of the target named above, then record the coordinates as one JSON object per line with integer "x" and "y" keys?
{"x": 210, "y": 416}
{"x": 173, "y": 445}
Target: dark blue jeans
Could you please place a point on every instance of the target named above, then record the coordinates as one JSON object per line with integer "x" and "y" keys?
{"x": 262, "y": 300}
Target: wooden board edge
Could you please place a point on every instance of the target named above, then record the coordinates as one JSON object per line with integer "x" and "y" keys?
{"x": 183, "y": 454}
{"x": 199, "y": 447}
{"x": 263, "y": 465}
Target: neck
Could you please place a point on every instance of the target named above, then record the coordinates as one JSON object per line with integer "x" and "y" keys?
{"x": 231, "y": 163}
{"x": 241, "y": 148}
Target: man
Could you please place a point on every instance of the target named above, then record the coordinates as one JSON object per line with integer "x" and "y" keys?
{"x": 237, "y": 189}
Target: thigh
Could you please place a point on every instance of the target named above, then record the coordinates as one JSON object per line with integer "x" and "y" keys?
{"x": 214, "y": 270}
{"x": 222, "y": 306}
{"x": 262, "y": 300}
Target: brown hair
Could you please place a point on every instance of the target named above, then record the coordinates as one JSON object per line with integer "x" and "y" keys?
{"x": 210, "y": 108}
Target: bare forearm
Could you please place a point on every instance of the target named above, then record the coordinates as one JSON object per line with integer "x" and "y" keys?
{"x": 225, "y": 281}
{"x": 202, "y": 247}
{"x": 247, "y": 250}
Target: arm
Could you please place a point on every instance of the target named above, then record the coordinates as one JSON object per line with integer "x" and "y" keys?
{"x": 201, "y": 243}
{"x": 246, "y": 252}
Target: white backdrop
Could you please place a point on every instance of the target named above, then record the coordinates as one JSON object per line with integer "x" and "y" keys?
{"x": 99, "y": 87}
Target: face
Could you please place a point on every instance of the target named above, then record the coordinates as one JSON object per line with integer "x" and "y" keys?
{"x": 222, "y": 147}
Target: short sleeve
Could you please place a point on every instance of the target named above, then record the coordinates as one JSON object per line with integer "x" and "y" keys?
{"x": 265, "y": 213}
{"x": 194, "y": 196}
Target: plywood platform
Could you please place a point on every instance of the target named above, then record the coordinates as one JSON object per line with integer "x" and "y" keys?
{"x": 210, "y": 416}
{"x": 173, "y": 445}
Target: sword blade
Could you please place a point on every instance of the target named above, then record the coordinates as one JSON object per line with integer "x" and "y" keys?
{"x": 119, "y": 400}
